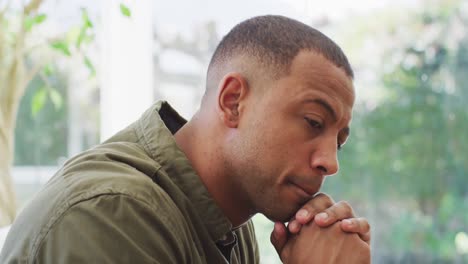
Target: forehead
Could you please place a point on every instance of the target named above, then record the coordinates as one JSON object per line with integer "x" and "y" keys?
{"x": 312, "y": 76}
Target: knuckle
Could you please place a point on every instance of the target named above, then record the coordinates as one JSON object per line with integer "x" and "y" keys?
{"x": 365, "y": 224}
{"x": 332, "y": 213}
{"x": 292, "y": 226}
{"x": 324, "y": 198}
{"x": 319, "y": 194}
{"x": 346, "y": 208}
{"x": 336, "y": 228}
{"x": 311, "y": 207}
{"x": 345, "y": 205}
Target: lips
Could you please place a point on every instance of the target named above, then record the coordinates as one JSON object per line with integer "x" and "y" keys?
{"x": 306, "y": 190}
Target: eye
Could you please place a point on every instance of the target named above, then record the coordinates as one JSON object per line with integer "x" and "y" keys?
{"x": 313, "y": 123}
{"x": 339, "y": 146}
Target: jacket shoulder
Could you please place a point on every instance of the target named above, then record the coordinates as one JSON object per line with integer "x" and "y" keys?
{"x": 104, "y": 192}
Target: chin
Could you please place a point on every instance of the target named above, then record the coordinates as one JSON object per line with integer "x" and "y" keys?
{"x": 280, "y": 214}
{"x": 280, "y": 207}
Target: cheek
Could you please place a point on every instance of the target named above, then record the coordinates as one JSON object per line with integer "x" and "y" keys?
{"x": 283, "y": 155}
{"x": 293, "y": 152}
{"x": 276, "y": 142}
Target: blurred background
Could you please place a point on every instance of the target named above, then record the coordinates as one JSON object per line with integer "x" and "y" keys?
{"x": 73, "y": 72}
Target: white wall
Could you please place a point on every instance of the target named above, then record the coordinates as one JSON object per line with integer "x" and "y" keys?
{"x": 126, "y": 64}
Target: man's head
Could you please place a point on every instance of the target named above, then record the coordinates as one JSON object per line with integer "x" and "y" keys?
{"x": 280, "y": 95}
{"x": 269, "y": 44}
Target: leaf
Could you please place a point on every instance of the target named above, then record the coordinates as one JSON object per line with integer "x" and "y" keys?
{"x": 85, "y": 18}
{"x": 125, "y": 10}
{"x": 56, "y": 98}
{"x": 32, "y": 21}
{"x": 38, "y": 100}
{"x": 83, "y": 37}
{"x": 61, "y": 46}
{"x": 80, "y": 38}
{"x": 87, "y": 24}
{"x": 90, "y": 66}
{"x": 48, "y": 70}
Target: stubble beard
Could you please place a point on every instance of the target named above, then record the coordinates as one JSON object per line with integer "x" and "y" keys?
{"x": 265, "y": 197}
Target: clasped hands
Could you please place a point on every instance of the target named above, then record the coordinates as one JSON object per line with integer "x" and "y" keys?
{"x": 323, "y": 232}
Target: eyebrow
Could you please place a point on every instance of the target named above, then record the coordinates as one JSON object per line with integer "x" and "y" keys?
{"x": 324, "y": 104}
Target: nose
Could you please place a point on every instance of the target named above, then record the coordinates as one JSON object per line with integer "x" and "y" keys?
{"x": 324, "y": 159}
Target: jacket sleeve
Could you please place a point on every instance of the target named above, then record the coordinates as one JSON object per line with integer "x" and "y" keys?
{"x": 113, "y": 228}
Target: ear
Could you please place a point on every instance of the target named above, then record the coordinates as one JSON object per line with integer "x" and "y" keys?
{"x": 232, "y": 92}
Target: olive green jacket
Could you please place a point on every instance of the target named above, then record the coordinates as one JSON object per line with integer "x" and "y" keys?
{"x": 133, "y": 199}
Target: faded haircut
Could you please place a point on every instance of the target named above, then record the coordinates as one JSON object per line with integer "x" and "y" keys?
{"x": 274, "y": 41}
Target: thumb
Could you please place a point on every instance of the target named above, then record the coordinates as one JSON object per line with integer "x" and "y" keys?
{"x": 279, "y": 237}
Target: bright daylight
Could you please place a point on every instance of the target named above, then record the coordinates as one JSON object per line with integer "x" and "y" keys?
{"x": 125, "y": 138}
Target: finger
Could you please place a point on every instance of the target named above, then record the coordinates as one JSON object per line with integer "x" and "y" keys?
{"x": 294, "y": 226}
{"x": 279, "y": 236}
{"x": 358, "y": 225}
{"x": 339, "y": 211}
{"x": 317, "y": 204}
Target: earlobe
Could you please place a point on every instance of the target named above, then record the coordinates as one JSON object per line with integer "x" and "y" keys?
{"x": 232, "y": 91}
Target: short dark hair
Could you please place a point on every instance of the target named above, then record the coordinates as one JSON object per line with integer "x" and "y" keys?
{"x": 274, "y": 41}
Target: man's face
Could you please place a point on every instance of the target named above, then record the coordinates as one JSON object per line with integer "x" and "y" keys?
{"x": 288, "y": 137}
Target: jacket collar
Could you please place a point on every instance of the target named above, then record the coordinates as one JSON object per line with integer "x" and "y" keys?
{"x": 155, "y": 130}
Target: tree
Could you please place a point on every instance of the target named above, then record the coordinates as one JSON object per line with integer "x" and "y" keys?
{"x": 419, "y": 130}
{"x": 408, "y": 150}
{"x": 25, "y": 54}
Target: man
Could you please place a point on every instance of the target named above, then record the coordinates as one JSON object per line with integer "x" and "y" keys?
{"x": 277, "y": 108}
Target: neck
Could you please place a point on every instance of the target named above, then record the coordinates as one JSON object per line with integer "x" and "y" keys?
{"x": 204, "y": 153}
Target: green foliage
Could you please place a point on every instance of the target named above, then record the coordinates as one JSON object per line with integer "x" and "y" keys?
{"x": 29, "y": 22}
{"x": 85, "y": 29}
{"x": 41, "y": 137}
{"x": 40, "y": 97}
{"x": 408, "y": 153}
{"x": 74, "y": 38}
{"x": 56, "y": 98}
{"x": 434, "y": 235}
{"x": 48, "y": 70}
{"x": 125, "y": 10}
{"x": 44, "y": 102}
{"x": 38, "y": 100}
{"x": 90, "y": 66}
{"x": 61, "y": 46}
